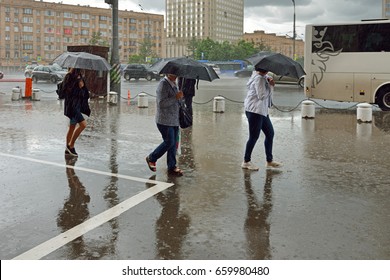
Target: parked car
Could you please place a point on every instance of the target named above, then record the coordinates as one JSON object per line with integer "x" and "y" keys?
{"x": 216, "y": 68}
{"x": 50, "y": 73}
{"x": 140, "y": 71}
{"x": 1, "y": 74}
{"x": 288, "y": 80}
{"x": 247, "y": 72}
{"x": 28, "y": 70}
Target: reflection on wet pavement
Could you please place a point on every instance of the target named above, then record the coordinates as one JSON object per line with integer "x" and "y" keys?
{"x": 257, "y": 227}
{"x": 329, "y": 201}
{"x": 172, "y": 225}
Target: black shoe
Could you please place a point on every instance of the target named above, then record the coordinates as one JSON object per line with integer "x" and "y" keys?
{"x": 72, "y": 151}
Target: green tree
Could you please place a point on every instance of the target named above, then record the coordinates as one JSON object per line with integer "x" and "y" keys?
{"x": 146, "y": 50}
{"x": 97, "y": 40}
{"x": 212, "y": 50}
{"x": 136, "y": 59}
{"x": 192, "y": 46}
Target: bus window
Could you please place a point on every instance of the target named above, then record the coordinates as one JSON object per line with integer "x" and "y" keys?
{"x": 349, "y": 62}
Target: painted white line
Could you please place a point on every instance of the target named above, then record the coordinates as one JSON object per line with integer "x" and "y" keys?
{"x": 55, "y": 243}
{"x": 60, "y": 240}
{"x": 136, "y": 179}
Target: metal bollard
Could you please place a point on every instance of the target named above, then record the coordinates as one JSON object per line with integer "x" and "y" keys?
{"x": 219, "y": 104}
{"x": 308, "y": 109}
{"x": 143, "y": 100}
{"x": 36, "y": 94}
{"x": 113, "y": 98}
{"x": 16, "y": 94}
{"x": 364, "y": 112}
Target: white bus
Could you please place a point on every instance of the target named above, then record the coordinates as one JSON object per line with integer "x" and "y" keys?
{"x": 349, "y": 62}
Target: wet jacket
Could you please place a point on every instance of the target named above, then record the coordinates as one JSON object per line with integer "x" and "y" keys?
{"x": 259, "y": 96}
{"x": 167, "y": 111}
{"x": 76, "y": 98}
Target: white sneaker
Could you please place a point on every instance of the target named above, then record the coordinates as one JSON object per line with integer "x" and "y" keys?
{"x": 249, "y": 165}
{"x": 273, "y": 164}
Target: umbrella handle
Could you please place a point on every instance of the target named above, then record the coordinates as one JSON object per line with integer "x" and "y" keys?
{"x": 181, "y": 83}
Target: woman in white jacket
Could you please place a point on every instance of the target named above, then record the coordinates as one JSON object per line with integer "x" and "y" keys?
{"x": 257, "y": 103}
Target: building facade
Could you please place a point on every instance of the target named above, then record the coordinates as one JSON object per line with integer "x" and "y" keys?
{"x": 40, "y": 31}
{"x": 281, "y": 44}
{"x": 219, "y": 20}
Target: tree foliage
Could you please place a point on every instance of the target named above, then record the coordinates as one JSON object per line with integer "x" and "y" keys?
{"x": 136, "y": 59}
{"x": 213, "y": 50}
{"x": 97, "y": 40}
{"x": 146, "y": 53}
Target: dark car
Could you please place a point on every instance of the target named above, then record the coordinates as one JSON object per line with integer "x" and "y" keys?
{"x": 50, "y": 73}
{"x": 28, "y": 70}
{"x": 247, "y": 72}
{"x": 140, "y": 71}
{"x": 1, "y": 74}
{"x": 288, "y": 80}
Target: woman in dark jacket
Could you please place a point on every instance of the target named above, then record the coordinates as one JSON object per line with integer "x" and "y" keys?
{"x": 76, "y": 104}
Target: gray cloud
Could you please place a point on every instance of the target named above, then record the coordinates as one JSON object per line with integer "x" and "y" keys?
{"x": 276, "y": 16}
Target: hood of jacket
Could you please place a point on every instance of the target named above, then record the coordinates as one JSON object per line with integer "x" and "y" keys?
{"x": 254, "y": 76}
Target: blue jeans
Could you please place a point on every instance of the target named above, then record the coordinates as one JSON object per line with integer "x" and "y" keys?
{"x": 257, "y": 123}
{"x": 169, "y": 135}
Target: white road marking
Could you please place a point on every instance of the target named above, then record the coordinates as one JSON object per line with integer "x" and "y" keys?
{"x": 57, "y": 242}
{"x": 142, "y": 180}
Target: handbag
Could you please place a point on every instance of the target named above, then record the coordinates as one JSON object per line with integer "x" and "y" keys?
{"x": 185, "y": 117}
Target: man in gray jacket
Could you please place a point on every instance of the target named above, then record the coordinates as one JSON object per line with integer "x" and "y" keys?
{"x": 167, "y": 119}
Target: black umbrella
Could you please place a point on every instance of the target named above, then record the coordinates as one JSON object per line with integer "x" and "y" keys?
{"x": 277, "y": 63}
{"x": 82, "y": 60}
{"x": 185, "y": 67}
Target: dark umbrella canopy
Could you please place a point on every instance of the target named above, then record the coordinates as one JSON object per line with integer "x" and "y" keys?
{"x": 185, "y": 67}
{"x": 82, "y": 60}
{"x": 277, "y": 63}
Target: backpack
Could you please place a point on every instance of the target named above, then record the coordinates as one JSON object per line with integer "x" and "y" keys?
{"x": 60, "y": 91}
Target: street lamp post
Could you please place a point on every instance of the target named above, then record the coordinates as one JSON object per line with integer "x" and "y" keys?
{"x": 294, "y": 31}
{"x": 115, "y": 77}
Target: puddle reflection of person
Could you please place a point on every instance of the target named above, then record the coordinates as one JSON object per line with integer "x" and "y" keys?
{"x": 172, "y": 225}
{"x": 75, "y": 209}
{"x": 257, "y": 227}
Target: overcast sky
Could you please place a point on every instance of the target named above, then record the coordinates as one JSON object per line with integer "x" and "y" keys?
{"x": 274, "y": 16}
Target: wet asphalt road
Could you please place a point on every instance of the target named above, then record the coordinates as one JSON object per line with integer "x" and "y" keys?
{"x": 329, "y": 201}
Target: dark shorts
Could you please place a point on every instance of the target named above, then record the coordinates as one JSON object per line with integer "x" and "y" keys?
{"x": 78, "y": 118}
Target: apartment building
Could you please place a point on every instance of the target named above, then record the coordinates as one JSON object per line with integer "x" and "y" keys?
{"x": 219, "y": 20}
{"x": 280, "y": 44}
{"x": 40, "y": 31}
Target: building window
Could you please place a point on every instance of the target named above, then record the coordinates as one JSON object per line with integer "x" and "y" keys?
{"x": 27, "y": 29}
{"x": 49, "y": 13}
{"x": 27, "y": 11}
{"x": 27, "y": 47}
{"x": 84, "y": 16}
{"x": 68, "y": 23}
{"x": 27, "y": 20}
{"x": 68, "y": 15}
